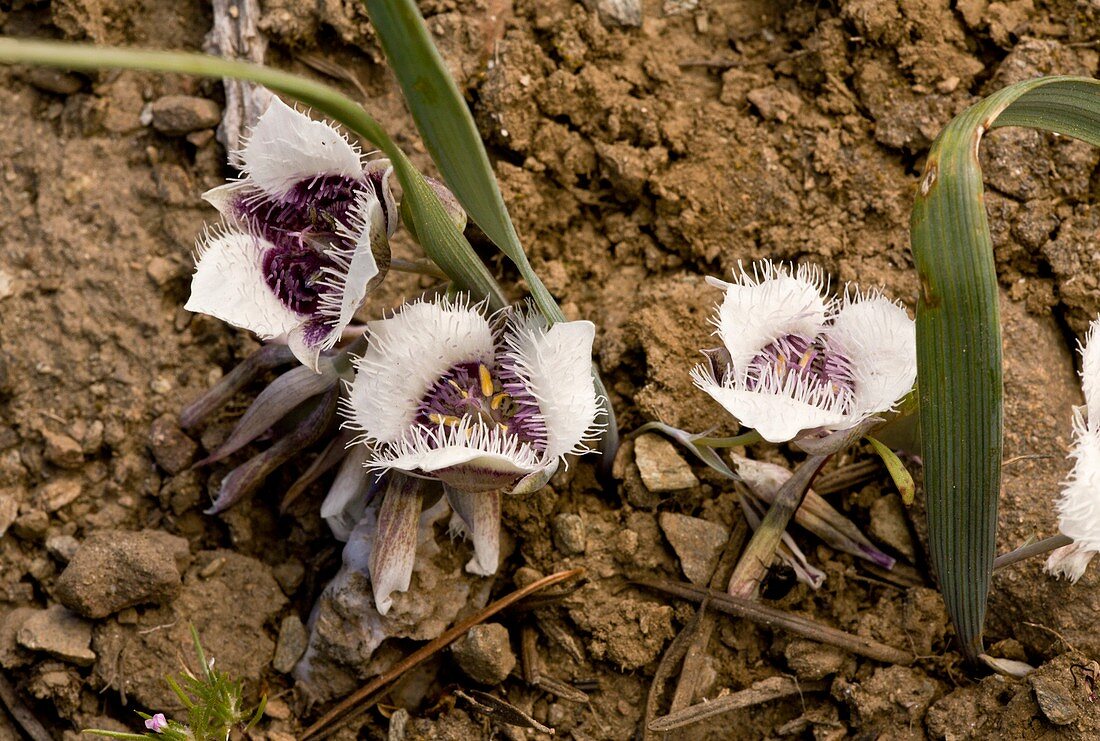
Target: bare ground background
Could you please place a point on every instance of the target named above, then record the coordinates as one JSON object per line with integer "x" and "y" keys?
{"x": 635, "y": 160}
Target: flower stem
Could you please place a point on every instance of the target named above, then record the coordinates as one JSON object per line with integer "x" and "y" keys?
{"x": 418, "y": 267}
{"x": 750, "y": 437}
{"x": 760, "y": 552}
{"x": 1038, "y": 548}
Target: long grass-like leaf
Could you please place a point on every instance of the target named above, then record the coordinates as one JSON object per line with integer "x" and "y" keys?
{"x": 449, "y": 132}
{"x": 959, "y": 335}
{"x": 440, "y": 238}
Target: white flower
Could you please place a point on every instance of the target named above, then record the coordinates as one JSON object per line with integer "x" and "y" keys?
{"x": 1079, "y": 506}
{"x": 306, "y": 229}
{"x": 795, "y": 362}
{"x": 483, "y": 404}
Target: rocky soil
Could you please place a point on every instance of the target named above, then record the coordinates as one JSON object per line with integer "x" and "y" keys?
{"x": 640, "y": 146}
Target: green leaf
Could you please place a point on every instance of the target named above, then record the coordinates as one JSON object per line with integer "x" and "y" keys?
{"x": 452, "y": 138}
{"x": 897, "y": 470}
{"x": 959, "y": 335}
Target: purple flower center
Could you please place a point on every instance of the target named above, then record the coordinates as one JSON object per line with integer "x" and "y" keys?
{"x": 301, "y": 225}
{"x": 806, "y": 362}
{"x": 496, "y": 399}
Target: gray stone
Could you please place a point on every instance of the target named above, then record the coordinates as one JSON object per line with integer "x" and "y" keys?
{"x": 1055, "y": 700}
{"x": 661, "y": 467}
{"x": 59, "y": 633}
{"x": 289, "y": 574}
{"x": 626, "y": 13}
{"x": 62, "y": 547}
{"x": 292, "y": 643}
{"x": 698, "y": 544}
{"x": 115, "y": 569}
{"x": 569, "y": 536}
{"x": 57, "y": 493}
{"x": 63, "y": 451}
{"x": 811, "y": 660}
{"x": 31, "y": 526}
{"x": 177, "y": 115}
{"x": 9, "y": 510}
{"x": 889, "y": 525}
{"x": 485, "y": 653}
{"x": 173, "y": 449}
{"x": 52, "y": 80}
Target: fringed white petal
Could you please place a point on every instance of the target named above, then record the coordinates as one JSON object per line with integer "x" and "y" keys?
{"x": 469, "y": 455}
{"x": 355, "y": 267}
{"x": 406, "y": 354}
{"x": 767, "y": 304}
{"x": 229, "y": 284}
{"x": 779, "y": 412}
{"x": 1069, "y": 562}
{"x": 480, "y": 516}
{"x": 1079, "y": 505}
{"x": 1090, "y": 374}
{"x": 287, "y": 146}
{"x": 556, "y": 365}
{"x": 880, "y": 341}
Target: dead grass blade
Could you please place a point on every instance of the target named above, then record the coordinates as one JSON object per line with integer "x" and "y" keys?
{"x": 766, "y": 690}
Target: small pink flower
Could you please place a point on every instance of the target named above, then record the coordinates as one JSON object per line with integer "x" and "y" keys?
{"x": 157, "y": 723}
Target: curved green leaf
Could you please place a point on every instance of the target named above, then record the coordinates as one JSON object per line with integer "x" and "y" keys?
{"x": 452, "y": 138}
{"x": 959, "y": 335}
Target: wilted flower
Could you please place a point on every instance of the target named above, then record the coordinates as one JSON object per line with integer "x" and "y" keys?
{"x": 483, "y": 404}
{"x": 305, "y": 235}
{"x": 157, "y": 723}
{"x": 795, "y": 362}
{"x": 1079, "y": 506}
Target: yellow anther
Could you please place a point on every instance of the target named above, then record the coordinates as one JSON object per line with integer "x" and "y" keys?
{"x": 458, "y": 388}
{"x": 806, "y": 358}
{"x": 498, "y": 400}
{"x": 444, "y": 419}
{"x": 486, "y": 381}
{"x": 781, "y": 364}
{"x": 502, "y": 427}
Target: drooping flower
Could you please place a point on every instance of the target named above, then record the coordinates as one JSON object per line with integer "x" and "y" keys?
{"x": 157, "y": 723}
{"x": 1079, "y": 505}
{"x": 305, "y": 235}
{"x": 483, "y": 404}
{"x": 796, "y": 362}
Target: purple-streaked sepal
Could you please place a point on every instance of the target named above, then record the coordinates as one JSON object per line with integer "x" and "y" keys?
{"x": 394, "y": 549}
{"x": 266, "y": 358}
{"x": 284, "y": 394}
{"x": 317, "y": 417}
{"x": 479, "y": 518}
{"x": 788, "y": 551}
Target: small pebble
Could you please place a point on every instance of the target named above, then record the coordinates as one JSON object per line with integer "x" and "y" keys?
{"x": 58, "y": 493}
{"x": 289, "y": 574}
{"x": 63, "y": 451}
{"x": 1055, "y": 700}
{"x": 31, "y": 526}
{"x": 625, "y": 13}
{"x": 9, "y": 510}
{"x": 889, "y": 526}
{"x": 177, "y": 115}
{"x": 811, "y": 660}
{"x": 59, "y": 633}
{"x": 173, "y": 450}
{"x": 485, "y": 653}
{"x": 293, "y": 641}
{"x": 698, "y": 544}
{"x": 661, "y": 467}
{"x": 569, "y": 536}
{"x": 62, "y": 547}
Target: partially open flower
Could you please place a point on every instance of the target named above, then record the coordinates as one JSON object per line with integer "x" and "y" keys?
{"x": 483, "y": 404}
{"x": 795, "y": 362}
{"x": 1079, "y": 506}
{"x": 305, "y": 235}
